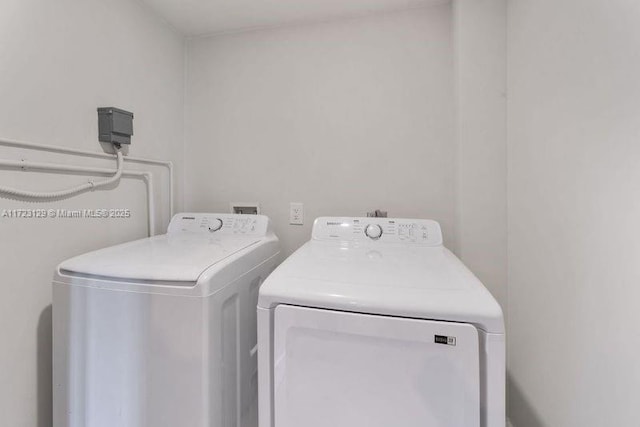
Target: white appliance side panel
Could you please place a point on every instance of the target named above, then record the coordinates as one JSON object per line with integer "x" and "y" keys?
{"x": 265, "y": 367}
{"x": 232, "y": 354}
{"x": 354, "y": 370}
{"x": 493, "y": 378}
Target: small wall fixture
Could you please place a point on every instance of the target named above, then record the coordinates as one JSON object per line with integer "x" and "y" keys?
{"x": 115, "y": 126}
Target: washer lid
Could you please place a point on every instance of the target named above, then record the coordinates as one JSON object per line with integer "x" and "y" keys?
{"x": 180, "y": 257}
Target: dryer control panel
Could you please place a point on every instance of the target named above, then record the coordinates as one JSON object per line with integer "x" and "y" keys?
{"x": 385, "y": 230}
{"x": 214, "y": 224}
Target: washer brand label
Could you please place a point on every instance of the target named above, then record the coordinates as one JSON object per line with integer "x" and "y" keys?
{"x": 442, "y": 339}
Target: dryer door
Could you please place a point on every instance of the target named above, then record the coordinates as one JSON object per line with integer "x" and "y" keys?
{"x": 344, "y": 369}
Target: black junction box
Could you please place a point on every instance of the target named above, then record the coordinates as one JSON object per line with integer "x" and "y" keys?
{"x": 115, "y": 125}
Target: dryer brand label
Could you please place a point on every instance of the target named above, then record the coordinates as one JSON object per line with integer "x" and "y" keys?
{"x": 442, "y": 339}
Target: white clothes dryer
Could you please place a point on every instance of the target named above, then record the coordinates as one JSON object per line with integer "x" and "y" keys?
{"x": 374, "y": 323}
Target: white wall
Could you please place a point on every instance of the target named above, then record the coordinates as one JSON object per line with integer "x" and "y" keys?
{"x": 481, "y": 189}
{"x": 59, "y": 61}
{"x": 345, "y": 116}
{"x": 574, "y": 205}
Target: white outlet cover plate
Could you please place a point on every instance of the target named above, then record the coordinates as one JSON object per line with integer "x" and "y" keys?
{"x": 296, "y": 213}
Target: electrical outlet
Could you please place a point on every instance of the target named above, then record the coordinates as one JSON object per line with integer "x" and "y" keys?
{"x": 296, "y": 213}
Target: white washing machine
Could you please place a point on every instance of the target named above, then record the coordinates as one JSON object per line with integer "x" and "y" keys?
{"x": 161, "y": 332}
{"x": 373, "y": 323}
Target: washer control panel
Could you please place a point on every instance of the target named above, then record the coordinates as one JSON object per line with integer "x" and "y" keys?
{"x": 389, "y": 230}
{"x": 215, "y": 224}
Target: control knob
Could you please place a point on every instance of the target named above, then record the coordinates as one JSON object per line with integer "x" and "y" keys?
{"x": 373, "y": 231}
{"x": 215, "y": 225}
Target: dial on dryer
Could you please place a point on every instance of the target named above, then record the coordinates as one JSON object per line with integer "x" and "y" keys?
{"x": 373, "y": 231}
